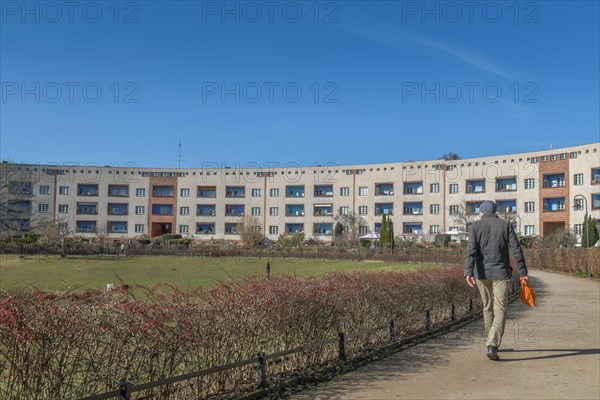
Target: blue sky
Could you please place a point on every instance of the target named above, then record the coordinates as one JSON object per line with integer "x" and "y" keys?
{"x": 347, "y": 82}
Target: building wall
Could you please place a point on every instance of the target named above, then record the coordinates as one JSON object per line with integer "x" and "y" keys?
{"x": 357, "y": 181}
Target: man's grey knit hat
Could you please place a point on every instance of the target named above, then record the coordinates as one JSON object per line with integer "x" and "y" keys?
{"x": 487, "y": 207}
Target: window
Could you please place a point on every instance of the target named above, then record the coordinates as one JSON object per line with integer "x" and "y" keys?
{"x": 578, "y": 179}
{"x": 529, "y": 230}
{"x": 184, "y": 192}
{"x": 273, "y": 230}
{"x": 434, "y": 229}
{"x": 118, "y": 190}
{"x": 184, "y": 228}
{"x": 574, "y": 154}
{"x": 87, "y": 208}
{"x": 530, "y": 183}
{"x": 63, "y": 190}
{"x": 453, "y": 188}
{"x": 434, "y": 187}
{"x": 554, "y": 180}
{"x": 434, "y": 208}
{"x": 234, "y": 210}
{"x": 529, "y": 206}
{"x": 453, "y": 228}
{"x": 476, "y": 186}
{"x": 63, "y": 227}
{"x": 533, "y": 160}
{"x": 184, "y": 211}
{"x": 140, "y": 210}
{"x": 140, "y": 192}
{"x": 454, "y": 209}
{"x": 205, "y": 229}
{"x": 206, "y": 191}
{"x": 255, "y": 192}
{"x": 344, "y": 210}
{"x": 384, "y": 189}
{"x": 44, "y": 189}
{"x": 231, "y": 229}
{"x": 294, "y": 210}
{"x": 87, "y": 190}
{"x": 563, "y": 156}
{"x": 413, "y": 187}
{"x": 553, "y": 157}
{"x": 345, "y": 191}
{"x": 544, "y": 158}
{"x": 363, "y": 229}
{"x": 139, "y": 228}
{"x": 63, "y": 208}
{"x": 162, "y": 191}
{"x": 363, "y": 191}
{"x": 363, "y": 210}
{"x": 294, "y": 191}
{"x": 43, "y": 208}
{"x": 208, "y": 210}
{"x": 323, "y": 191}
{"x": 577, "y": 229}
{"x": 384, "y": 209}
{"x": 274, "y": 211}
{"x": 578, "y": 204}
{"x": 274, "y": 192}
{"x": 255, "y": 211}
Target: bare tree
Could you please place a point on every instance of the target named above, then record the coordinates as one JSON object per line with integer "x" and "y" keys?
{"x": 250, "y": 230}
{"x": 350, "y": 223}
{"x": 449, "y": 156}
{"x": 466, "y": 216}
{"x": 53, "y": 233}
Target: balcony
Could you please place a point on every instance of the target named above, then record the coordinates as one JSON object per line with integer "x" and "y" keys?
{"x": 323, "y": 229}
{"x": 596, "y": 201}
{"x": 554, "y": 181}
{"x": 231, "y": 229}
{"x": 476, "y": 186}
{"x": 162, "y": 209}
{"x": 292, "y": 210}
{"x": 506, "y": 207}
{"x": 595, "y": 176}
{"x": 413, "y": 208}
{"x": 235, "y": 191}
{"x": 118, "y": 191}
{"x": 206, "y": 191}
{"x": 117, "y": 209}
{"x": 294, "y": 191}
{"x": 234, "y": 210}
{"x": 506, "y": 184}
{"x": 24, "y": 188}
{"x": 384, "y": 209}
{"x": 324, "y": 191}
{"x": 384, "y": 189}
{"x": 85, "y": 226}
{"x": 205, "y": 229}
{"x": 412, "y": 229}
{"x": 87, "y": 190}
{"x": 294, "y": 228}
{"x": 117, "y": 227}
{"x": 323, "y": 210}
{"x": 205, "y": 210}
{"x": 413, "y": 187}
{"x": 556, "y": 204}
{"x": 162, "y": 191}
{"x": 87, "y": 208}
{"x": 473, "y": 207}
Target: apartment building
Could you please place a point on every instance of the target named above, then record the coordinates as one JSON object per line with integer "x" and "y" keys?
{"x": 539, "y": 191}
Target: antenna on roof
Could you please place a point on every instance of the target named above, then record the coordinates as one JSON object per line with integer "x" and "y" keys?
{"x": 179, "y": 154}
{"x": 551, "y": 146}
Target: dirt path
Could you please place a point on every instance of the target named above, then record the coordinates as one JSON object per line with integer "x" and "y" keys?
{"x": 550, "y": 352}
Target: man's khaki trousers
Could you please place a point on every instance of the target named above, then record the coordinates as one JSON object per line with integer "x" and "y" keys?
{"x": 494, "y": 295}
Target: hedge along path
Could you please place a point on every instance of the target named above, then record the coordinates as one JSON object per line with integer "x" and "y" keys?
{"x": 550, "y": 352}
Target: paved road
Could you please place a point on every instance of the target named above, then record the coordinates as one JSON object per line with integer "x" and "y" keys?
{"x": 550, "y": 352}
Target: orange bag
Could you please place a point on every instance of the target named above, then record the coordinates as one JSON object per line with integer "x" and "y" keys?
{"x": 527, "y": 294}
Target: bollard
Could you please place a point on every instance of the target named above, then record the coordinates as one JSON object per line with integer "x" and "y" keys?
{"x": 342, "y": 346}
{"x": 427, "y": 320}
{"x": 392, "y": 331}
{"x": 453, "y": 313}
{"x": 124, "y": 390}
{"x": 261, "y": 371}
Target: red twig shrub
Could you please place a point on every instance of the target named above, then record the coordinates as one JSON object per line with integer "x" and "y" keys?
{"x": 72, "y": 344}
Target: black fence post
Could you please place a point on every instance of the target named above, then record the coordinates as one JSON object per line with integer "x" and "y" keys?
{"x": 124, "y": 390}
{"x": 427, "y": 320}
{"x": 261, "y": 371}
{"x": 453, "y": 313}
{"x": 470, "y": 305}
{"x": 392, "y": 331}
{"x": 342, "y": 346}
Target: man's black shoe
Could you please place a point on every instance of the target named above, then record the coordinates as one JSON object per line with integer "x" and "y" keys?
{"x": 492, "y": 353}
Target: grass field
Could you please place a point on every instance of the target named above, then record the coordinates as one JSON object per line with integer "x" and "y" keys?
{"x": 77, "y": 272}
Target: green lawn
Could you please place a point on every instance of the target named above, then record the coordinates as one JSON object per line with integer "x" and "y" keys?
{"x": 54, "y": 273}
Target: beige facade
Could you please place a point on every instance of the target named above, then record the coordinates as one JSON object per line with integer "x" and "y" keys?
{"x": 536, "y": 189}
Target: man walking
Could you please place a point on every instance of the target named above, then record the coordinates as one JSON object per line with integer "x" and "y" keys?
{"x": 488, "y": 266}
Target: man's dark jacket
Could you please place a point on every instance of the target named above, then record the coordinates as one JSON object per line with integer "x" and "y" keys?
{"x": 489, "y": 243}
